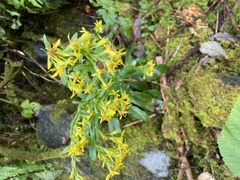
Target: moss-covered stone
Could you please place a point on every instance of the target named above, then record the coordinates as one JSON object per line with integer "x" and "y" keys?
{"x": 199, "y": 107}
{"x": 211, "y": 99}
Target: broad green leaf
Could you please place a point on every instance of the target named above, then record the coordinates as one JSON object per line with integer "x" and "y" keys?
{"x": 144, "y": 4}
{"x": 27, "y": 113}
{"x": 141, "y": 99}
{"x": 35, "y": 106}
{"x": 128, "y": 57}
{"x": 25, "y": 104}
{"x": 109, "y": 17}
{"x": 138, "y": 113}
{"x": 140, "y": 86}
{"x": 114, "y": 124}
{"x": 155, "y": 93}
{"x": 229, "y": 141}
{"x": 16, "y": 24}
{"x": 74, "y": 37}
{"x": 125, "y": 25}
{"x": 160, "y": 70}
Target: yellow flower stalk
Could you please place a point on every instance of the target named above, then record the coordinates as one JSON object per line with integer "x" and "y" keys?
{"x": 87, "y": 65}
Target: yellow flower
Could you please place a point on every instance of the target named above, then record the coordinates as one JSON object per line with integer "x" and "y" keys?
{"x": 111, "y": 174}
{"x": 150, "y": 69}
{"x": 76, "y": 84}
{"x": 77, "y": 149}
{"x": 114, "y": 93}
{"x": 85, "y": 36}
{"x": 107, "y": 86}
{"x": 98, "y": 27}
{"x": 102, "y": 42}
{"x": 124, "y": 104}
{"x": 89, "y": 88}
{"x": 107, "y": 112}
{"x": 52, "y": 53}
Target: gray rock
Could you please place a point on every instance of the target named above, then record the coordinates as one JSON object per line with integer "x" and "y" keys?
{"x": 53, "y": 133}
{"x": 157, "y": 163}
{"x": 231, "y": 80}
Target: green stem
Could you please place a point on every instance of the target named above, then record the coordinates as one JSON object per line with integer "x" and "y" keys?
{"x": 6, "y": 101}
{"x": 11, "y": 73}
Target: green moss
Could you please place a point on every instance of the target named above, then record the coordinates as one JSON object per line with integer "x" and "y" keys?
{"x": 61, "y": 108}
{"x": 211, "y": 99}
{"x": 200, "y": 105}
{"x": 141, "y": 138}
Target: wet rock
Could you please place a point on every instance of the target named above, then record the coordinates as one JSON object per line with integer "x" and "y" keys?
{"x": 53, "y": 133}
{"x": 231, "y": 80}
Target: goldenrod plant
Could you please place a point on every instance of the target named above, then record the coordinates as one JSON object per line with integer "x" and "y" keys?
{"x": 91, "y": 67}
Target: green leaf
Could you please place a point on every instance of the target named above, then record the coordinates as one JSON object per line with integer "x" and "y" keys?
{"x": 109, "y": 17}
{"x": 160, "y": 70}
{"x": 141, "y": 99}
{"x": 155, "y": 93}
{"x": 91, "y": 96}
{"x": 93, "y": 152}
{"x": 74, "y": 37}
{"x": 138, "y": 113}
{"x": 14, "y": 13}
{"x": 45, "y": 41}
{"x": 229, "y": 141}
{"x": 114, "y": 124}
{"x": 25, "y": 104}
{"x": 2, "y": 32}
{"x": 36, "y": 3}
{"x": 140, "y": 86}
{"x": 35, "y": 106}
{"x": 125, "y": 25}
{"x": 27, "y": 113}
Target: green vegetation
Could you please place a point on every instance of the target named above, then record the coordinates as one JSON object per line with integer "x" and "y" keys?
{"x": 229, "y": 140}
{"x": 87, "y": 66}
{"x": 137, "y": 82}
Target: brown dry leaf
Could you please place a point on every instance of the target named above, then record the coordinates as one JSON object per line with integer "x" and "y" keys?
{"x": 158, "y": 32}
{"x": 190, "y": 13}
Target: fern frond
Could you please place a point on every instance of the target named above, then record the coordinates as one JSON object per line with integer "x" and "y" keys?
{"x": 49, "y": 175}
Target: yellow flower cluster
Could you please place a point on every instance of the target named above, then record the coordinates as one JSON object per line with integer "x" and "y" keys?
{"x": 96, "y": 54}
{"x": 87, "y": 66}
{"x": 115, "y": 105}
{"x": 148, "y": 69}
{"x": 113, "y": 157}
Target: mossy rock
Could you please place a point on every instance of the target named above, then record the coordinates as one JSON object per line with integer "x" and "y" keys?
{"x": 211, "y": 99}
{"x": 199, "y": 108}
{"x": 54, "y": 124}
